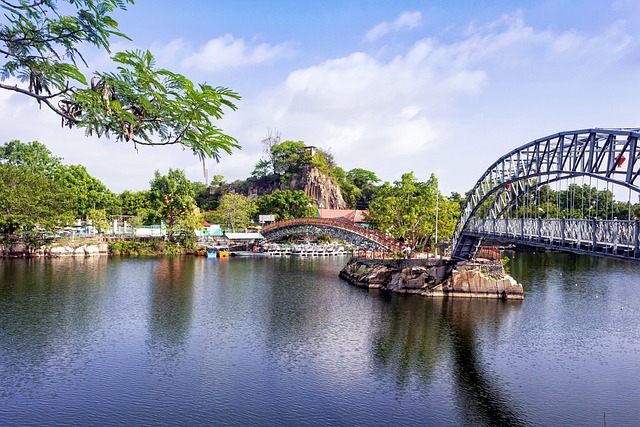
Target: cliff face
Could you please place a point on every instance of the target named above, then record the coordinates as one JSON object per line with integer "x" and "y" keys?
{"x": 321, "y": 188}
{"x": 315, "y": 183}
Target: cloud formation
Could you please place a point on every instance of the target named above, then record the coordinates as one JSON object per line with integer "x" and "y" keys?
{"x": 406, "y": 21}
{"x": 414, "y": 110}
{"x": 227, "y": 52}
{"x": 449, "y": 105}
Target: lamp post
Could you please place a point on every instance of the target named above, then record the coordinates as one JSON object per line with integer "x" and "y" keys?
{"x": 436, "y": 243}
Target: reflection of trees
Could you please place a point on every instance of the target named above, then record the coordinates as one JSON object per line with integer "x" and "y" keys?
{"x": 415, "y": 334}
{"x": 408, "y": 343}
{"x": 536, "y": 269}
{"x": 57, "y": 305}
{"x": 171, "y": 306}
{"x": 293, "y": 312}
{"x": 480, "y": 398}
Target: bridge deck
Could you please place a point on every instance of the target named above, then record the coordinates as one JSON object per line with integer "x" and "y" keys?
{"x": 617, "y": 239}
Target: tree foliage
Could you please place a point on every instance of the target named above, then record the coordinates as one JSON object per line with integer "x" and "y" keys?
{"x": 28, "y": 200}
{"x": 171, "y": 197}
{"x": 84, "y": 191}
{"x": 406, "y": 210}
{"x": 234, "y": 212}
{"x": 34, "y": 155}
{"x": 286, "y": 204}
{"x": 87, "y": 191}
{"x": 138, "y": 102}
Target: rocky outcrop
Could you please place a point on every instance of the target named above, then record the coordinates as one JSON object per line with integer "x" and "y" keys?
{"x": 435, "y": 278}
{"x": 316, "y": 184}
{"x": 16, "y": 250}
{"x": 321, "y": 188}
{"x": 475, "y": 283}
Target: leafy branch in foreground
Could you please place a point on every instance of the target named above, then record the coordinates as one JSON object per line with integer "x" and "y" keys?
{"x": 138, "y": 102}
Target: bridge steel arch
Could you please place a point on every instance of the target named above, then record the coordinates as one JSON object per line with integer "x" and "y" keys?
{"x": 358, "y": 235}
{"x": 610, "y": 155}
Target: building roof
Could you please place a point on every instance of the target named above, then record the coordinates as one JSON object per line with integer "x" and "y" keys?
{"x": 352, "y": 215}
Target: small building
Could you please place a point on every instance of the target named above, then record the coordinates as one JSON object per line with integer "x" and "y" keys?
{"x": 242, "y": 241}
{"x": 209, "y": 230}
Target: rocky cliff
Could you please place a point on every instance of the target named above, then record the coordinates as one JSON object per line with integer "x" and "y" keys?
{"x": 319, "y": 187}
{"x": 316, "y": 184}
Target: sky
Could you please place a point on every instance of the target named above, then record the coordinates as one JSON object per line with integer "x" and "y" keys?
{"x": 442, "y": 87}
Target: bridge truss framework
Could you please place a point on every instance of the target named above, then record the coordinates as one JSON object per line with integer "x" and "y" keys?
{"x": 609, "y": 155}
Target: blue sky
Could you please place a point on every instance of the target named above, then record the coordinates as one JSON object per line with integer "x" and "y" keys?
{"x": 440, "y": 87}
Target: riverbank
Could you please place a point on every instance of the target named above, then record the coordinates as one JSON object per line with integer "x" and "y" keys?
{"x": 75, "y": 249}
{"x": 434, "y": 278}
{"x": 88, "y": 248}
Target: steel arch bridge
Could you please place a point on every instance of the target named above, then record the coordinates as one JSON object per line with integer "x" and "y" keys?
{"x": 358, "y": 235}
{"x": 609, "y": 155}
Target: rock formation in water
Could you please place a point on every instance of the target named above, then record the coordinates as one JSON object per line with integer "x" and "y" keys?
{"x": 435, "y": 278}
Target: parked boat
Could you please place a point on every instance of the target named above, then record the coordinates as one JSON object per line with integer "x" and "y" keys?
{"x": 212, "y": 252}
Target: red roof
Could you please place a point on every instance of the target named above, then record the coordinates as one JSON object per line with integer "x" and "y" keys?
{"x": 350, "y": 215}
{"x": 205, "y": 224}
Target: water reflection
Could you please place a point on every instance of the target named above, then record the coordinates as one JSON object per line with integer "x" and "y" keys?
{"x": 480, "y": 397}
{"x": 187, "y": 341}
{"x": 407, "y": 343}
{"x": 171, "y": 305}
{"x": 416, "y": 336}
{"x": 56, "y": 303}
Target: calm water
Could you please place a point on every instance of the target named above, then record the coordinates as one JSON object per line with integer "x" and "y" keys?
{"x": 195, "y": 341}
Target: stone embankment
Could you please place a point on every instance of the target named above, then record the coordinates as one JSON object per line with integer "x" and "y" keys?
{"x": 434, "y": 278}
{"x": 18, "y": 250}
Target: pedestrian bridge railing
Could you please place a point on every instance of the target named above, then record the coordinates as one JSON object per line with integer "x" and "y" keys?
{"x": 616, "y": 238}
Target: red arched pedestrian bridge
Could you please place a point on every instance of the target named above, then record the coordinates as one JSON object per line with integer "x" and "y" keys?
{"x": 338, "y": 229}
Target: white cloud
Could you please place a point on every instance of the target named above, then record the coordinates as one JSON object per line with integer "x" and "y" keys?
{"x": 446, "y": 107}
{"x": 452, "y": 108}
{"x": 228, "y": 52}
{"x": 406, "y": 21}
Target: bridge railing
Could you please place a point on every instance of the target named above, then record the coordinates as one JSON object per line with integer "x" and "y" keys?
{"x": 369, "y": 233}
{"x": 601, "y": 236}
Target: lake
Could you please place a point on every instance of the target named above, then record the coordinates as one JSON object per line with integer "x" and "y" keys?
{"x": 283, "y": 341}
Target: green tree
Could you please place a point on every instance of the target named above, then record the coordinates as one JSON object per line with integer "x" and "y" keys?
{"x": 366, "y": 181}
{"x": 99, "y": 219}
{"x": 88, "y": 192}
{"x": 362, "y": 178}
{"x": 350, "y": 192}
{"x": 28, "y": 200}
{"x": 34, "y": 155}
{"x": 407, "y": 210}
{"x": 285, "y": 204}
{"x": 85, "y": 192}
{"x": 186, "y": 224}
{"x": 40, "y": 46}
{"x": 134, "y": 203}
{"x": 234, "y": 212}
{"x": 171, "y": 197}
